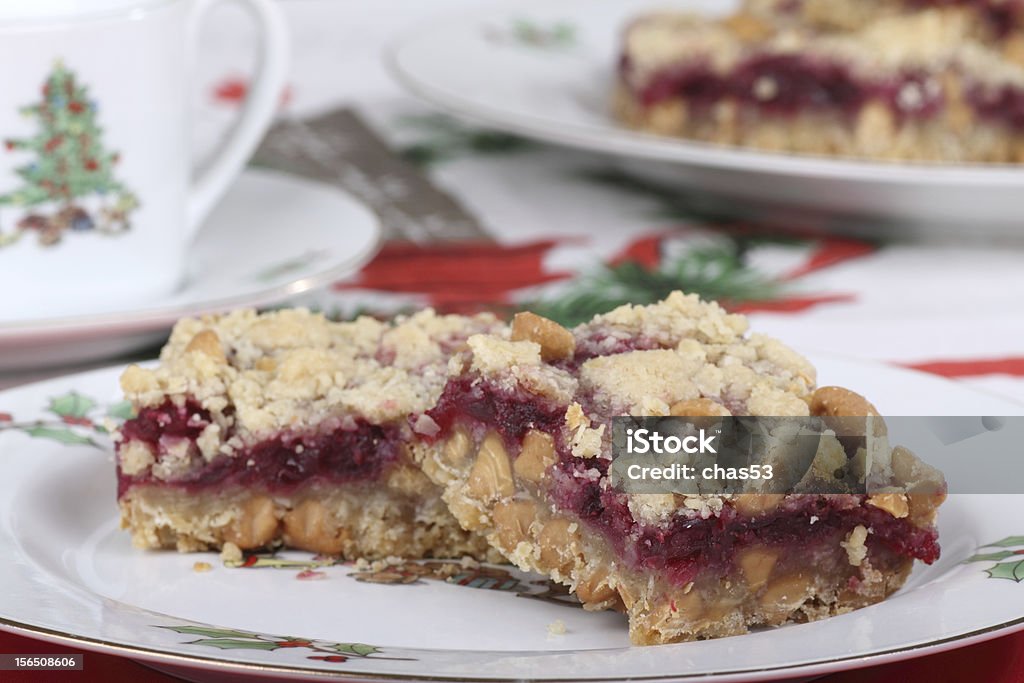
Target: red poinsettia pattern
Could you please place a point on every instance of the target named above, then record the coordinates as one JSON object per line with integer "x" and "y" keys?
{"x": 472, "y": 276}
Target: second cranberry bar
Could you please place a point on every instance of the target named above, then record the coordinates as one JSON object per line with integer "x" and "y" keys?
{"x": 523, "y": 451}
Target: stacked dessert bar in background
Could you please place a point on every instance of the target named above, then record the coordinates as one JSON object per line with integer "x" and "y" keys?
{"x": 882, "y": 79}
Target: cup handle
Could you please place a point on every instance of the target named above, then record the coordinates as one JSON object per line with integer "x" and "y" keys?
{"x": 257, "y": 113}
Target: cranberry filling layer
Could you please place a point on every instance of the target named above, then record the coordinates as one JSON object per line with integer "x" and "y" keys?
{"x": 786, "y": 85}
{"x": 687, "y": 546}
{"x": 480, "y": 402}
{"x": 1005, "y": 104}
{"x": 798, "y": 82}
{"x": 354, "y": 452}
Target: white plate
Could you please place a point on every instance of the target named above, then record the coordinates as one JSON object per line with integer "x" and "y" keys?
{"x": 67, "y": 574}
{"x": 473, "y": 65}
{"x": 272, "y": 236}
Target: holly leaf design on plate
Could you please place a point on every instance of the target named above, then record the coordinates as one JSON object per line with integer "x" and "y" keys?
{"x": 291, "y": 265}
{"x": 354, "y": 649}
{"x": 211, "y": 631}
{"x": 1008, "y": 542}
{"x": 236, "y": 644}
{"x": 273, "y": 562}
{"x": 122, "y": 410}
{"x": 991, "y": 557}
{"x": 72, "y": 404}
{"x": 527, "y": 32}
{"x": 63, "y": 435}
{"x": 1013, "y": 571}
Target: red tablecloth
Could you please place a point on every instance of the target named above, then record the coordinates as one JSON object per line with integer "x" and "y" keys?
{"x": 996, "y": 661}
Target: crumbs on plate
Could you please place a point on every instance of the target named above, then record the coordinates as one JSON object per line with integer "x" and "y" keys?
{"x": 557, "y": 628}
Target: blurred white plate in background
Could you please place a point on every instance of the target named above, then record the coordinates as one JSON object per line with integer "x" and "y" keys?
{"x": 272, "y": 236}
{"x": 558, "y": 90}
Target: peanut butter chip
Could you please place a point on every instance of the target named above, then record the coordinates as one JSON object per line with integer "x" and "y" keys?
{"x": 699, "y": 407}
{"x": 837, "y": 401}
{"x": 556, "y": 342}
{"x": 491, "y": 475}
{"x": 747, "y": 27}
{"x": 207, "y": 342}
{"x": 894, "y": 503}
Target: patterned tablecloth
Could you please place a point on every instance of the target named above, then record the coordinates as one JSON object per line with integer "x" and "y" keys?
{"x": 569, "y": 229}
{"x": 478, "y": 219}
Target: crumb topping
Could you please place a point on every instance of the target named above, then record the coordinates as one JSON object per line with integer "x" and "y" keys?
{"x": 258, "y": 374}
{"x": 677, "y": 318}
{"x": 703, "y": 353}
{"x": 519, "y": 365}
{"x": 930, "y": 40}
{"x": 632, "y": 380}
{"x": 493, "y": 355}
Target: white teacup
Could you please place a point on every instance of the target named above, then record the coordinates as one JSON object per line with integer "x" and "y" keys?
{"x": 98, "y": 202}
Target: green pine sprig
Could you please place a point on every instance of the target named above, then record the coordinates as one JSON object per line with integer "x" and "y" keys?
{"x": 716, "y": 273}
{"x": 445, "y": 139}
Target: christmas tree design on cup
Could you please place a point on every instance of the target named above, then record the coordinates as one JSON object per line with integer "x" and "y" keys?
{"x": 69, "y": 185}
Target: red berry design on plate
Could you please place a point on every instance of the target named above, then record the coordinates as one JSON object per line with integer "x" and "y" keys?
{"x": 6, "y": 417}
{"x": 293, "y": 643}
{"x": 329, "y": 658}
{"x": 310, "y": 575}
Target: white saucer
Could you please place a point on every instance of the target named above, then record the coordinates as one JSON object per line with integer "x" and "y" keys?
{"x": 272, "y": 236}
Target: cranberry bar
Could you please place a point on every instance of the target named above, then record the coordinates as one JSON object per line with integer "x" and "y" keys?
{"x": 285, "y": 428}
{"x": 917, "y": 86}
{"x": 521, "y": 443}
